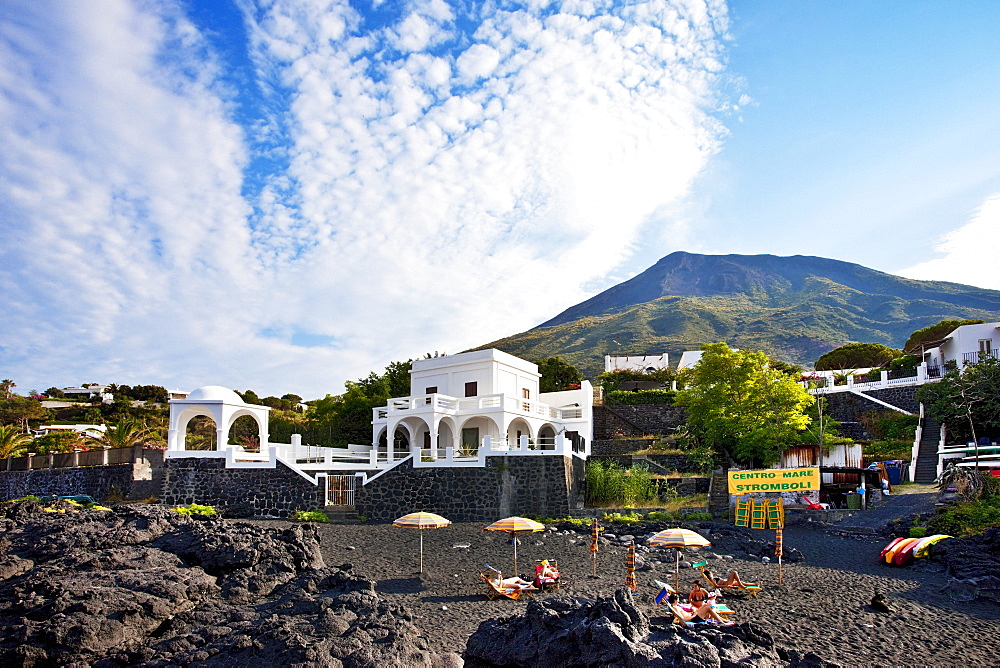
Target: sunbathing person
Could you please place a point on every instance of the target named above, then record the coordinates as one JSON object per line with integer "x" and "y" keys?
{"x": 700, "y": 614}
{"x": 548, "y": 571}
{"x": 732, "y": 581}
{"x": 698, "y": 595}
{"x": 508, "y": 583}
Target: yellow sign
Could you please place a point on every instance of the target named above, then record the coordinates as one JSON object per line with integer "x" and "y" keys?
{"x": 774, "y": 480}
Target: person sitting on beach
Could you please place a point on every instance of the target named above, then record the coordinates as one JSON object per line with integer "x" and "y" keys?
{"x": 733, "y": 580}
{"x": 508, "y": 583}
{"x": 548, "y": 571}
{"x": 698, "y": 595}
{"x": 699, "y": 614}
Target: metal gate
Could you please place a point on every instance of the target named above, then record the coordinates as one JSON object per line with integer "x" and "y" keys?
{"x": 340, "y": 490}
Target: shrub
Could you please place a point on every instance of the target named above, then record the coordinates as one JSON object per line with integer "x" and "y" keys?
{"x": 626, "y": 398}
{"x": 311, "y": 516}
{"x": 619, "y": 518}
{"x": 362, "y": 518}
{"x": 195, "y": 509}
{"x": 659, "y": 516}
{"x": 698, "y": 516}
{"x": 918, "y": 532}
{"x": 967, "y": 519}
{"x": 609, "y": 483}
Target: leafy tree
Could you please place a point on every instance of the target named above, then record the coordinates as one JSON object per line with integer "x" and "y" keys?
{"x": 12, "y": 441}
{"x": 22, "y": 410}
{"x": 931, "y": 336}
{"x": 856, "y": 356}
{"x": 250, "y": 397}
{"x": 740, "y": 407}
{"x": 60, "y": 441}
{"x": 965, "y": 399}
{"x": 151, "y": 393}
{"x": 129, "y": 432}
{"x": 54, "y": 393}
{"x": 557, "y": 375}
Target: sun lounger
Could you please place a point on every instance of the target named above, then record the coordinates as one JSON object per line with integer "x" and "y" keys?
{"x": 547, "y": 583}
{"x": 722, "y": 609}
{"x": 752, "y": 589}
{"x": 497, "y": 587}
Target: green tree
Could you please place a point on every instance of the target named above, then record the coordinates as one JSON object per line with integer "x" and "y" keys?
{"x": 54, "y": 393}
{"x": 127, "y": 433}
{"x": 929, "y": 337}
{"x": 7, "y": 387}
{"x": 13, "y": 441}
{"x": 740, "y": 407}
{"x": 857, "y": 356}
{"x": 22, "y": 410}
{"x": 965, "y": 399}
{"x": 557, "y": 375}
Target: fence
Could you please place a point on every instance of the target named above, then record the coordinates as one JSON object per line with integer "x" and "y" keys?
{"x": 81, "y": 458}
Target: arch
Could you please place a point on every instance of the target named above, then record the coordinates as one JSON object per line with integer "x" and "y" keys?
{"x": 244, "y": 432}
{"x": 201, "y": 432}
{"x": 223, "y": 406}
{"x": 547, "y": 437}
{"x": 517, "y": 428}
{"x": 447, "y": 434}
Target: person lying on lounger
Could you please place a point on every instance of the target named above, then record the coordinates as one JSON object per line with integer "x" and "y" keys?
{"x": 733, "y": 580}
{"x": 701, "y": 614}
{"x": 509, "y": 582}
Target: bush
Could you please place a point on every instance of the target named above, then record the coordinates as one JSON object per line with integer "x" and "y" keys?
{"x": 609, "y": 483}
{"x": 880, "y": 451}
{"x": 967, "y": 519}
{"x": 697, "y": 516}
{"x": 618, "y": 518}
{"x": 311, "y": 516}
{"x": 195, "y": 509}
{"x": 659, "y": 516}
{"x": 626, "y": 398}
{"x": 918, "y": 532}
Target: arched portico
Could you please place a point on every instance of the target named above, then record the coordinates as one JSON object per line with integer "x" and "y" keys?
{"x": 219, "y": 403}
{"x": 517, "y": 428}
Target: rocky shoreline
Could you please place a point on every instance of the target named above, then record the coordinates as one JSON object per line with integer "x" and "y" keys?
{"x": 143, "y": 585}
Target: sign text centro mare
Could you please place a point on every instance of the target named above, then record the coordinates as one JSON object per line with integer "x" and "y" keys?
{"x": 774, "y": 480}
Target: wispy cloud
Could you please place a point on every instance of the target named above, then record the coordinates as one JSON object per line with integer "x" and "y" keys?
{"x": 454, "y": 175}
{"x": 969, "y": 252}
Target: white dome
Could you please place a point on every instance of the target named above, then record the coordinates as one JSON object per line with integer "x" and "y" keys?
{"x": 215, "y": 393}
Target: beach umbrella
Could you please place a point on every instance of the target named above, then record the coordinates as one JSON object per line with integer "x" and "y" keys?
{"x": 514, "y": 526}
{"x": 678, "y": 539}
{"x": 595, "y": 533}
{"x": 421, "y": 521}
{"x": 630, "y": 567}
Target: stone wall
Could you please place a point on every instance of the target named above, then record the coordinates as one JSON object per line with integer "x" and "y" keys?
{"x": 545, "y": 485}
{"x": 847, "y": 407}
{"x": 638, "y": 420}
{"x": 668, "y": 463}
{"x": 95, "y": 481}
{"x": 254, "y": 492}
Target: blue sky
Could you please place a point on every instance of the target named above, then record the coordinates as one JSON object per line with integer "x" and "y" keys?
{"x": 283, "y": 195}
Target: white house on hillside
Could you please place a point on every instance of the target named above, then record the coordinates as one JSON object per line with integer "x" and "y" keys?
{"x": 457, "y": 401}
{"x": 965, "y": 345}
{"x": 636, "y": 362}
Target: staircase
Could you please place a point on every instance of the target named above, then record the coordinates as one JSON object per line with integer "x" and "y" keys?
{"x": 927, "y": 458}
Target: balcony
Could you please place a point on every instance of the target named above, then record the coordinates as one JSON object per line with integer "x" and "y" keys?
{"x": 489, "y": 403}
{"x": 978, "y": 356}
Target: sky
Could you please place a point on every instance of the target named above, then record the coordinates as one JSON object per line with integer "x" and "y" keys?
{"x": 283, "y": 195}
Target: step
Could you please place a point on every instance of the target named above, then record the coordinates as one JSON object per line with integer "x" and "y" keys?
{"x": 338, "y": 515}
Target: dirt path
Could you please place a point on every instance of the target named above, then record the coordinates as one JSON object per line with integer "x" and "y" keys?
{"x": 904, "y": 501}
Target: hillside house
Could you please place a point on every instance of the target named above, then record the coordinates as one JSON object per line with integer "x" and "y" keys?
{"x": 457, "y": 401}
{"x": 644, "y": 363}
{"x": 964, "y": 345}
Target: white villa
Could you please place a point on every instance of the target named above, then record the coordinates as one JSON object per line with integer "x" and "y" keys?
{"x": 481, "y": 398}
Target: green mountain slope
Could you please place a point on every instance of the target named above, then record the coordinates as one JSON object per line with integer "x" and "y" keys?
{"x": 794, "y": 308}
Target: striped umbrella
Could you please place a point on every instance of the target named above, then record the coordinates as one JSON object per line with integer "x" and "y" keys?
{"x": 514, "y": 526}
{"x": 595, "y": 533}
{"x": 678, "y": 539}
{"x": 630, "y": 567}
{"x": 421, "y": 521}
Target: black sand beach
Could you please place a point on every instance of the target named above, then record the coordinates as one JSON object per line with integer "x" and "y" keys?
{"x": 821, "y": 606}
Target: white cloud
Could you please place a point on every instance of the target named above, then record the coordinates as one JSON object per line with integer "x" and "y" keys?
{"x": 969, "y": 251}
{"x": 444, "y": 189}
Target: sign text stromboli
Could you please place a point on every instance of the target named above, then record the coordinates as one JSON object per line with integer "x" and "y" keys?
{"x": 774, "y": 480}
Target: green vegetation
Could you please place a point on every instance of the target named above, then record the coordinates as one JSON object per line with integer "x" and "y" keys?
{"x": 13, "y": 441}
{"x": 659, "y": 516}
{"x": 620, "y": 518}
{"x": 557, "y": 375}
{"x": 965, "y": 399}
{"x": 697, "y": 516}
{"x": 626, "y": 398}
{"x": 978, "y": 508}
{"x": 311, "y": 516}
{"x": 741, "y": 408}
{"x": 857, "y": 356}
{"x": 611, "y": 484}
{"x": 892, "y": 433}
{"x": 195, "y": 509}
{"x": 612, "y": 380}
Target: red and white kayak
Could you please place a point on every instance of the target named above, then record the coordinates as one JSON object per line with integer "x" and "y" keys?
{"x": 894, "y": 543}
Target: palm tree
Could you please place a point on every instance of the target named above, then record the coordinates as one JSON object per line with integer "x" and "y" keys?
{"x": 128, "y": 432}
{"x": 7, "y": 387}
{"x": 12, "y": 440}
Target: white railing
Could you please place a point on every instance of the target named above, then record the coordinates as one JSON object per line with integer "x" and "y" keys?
{"x": 825, "y": 382}
{"x": 441, "y": 403}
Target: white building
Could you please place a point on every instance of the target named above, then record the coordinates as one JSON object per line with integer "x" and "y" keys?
{"x": 689, "y": 358}
{"x": 965, "y": 345}
{"x": 645, "y": 363}
{"x": 457, "y": 401}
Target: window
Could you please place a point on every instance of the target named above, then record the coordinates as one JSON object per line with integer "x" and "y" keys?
{"x": 525, "y": 394}
{"x": 430, "y": 390}
{"x": 985, "y": 347}
{"x": 471, "y": 389}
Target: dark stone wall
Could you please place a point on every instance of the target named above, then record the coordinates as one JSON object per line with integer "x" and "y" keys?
{"x": 847, "y": 407}
{"x": 638, "y": 420}
{"x": 669, "y": 463}
{"x": 95, "y": 481}
{"x": 238, "y": 492}
{"x": 545, "y": 485}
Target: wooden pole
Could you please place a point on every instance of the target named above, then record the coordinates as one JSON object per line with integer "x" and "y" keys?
{"x": 421, "y": 550}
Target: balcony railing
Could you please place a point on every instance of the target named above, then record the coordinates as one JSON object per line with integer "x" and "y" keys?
{"x": 441, "y": 403}
{"x": 978, "y": 356}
